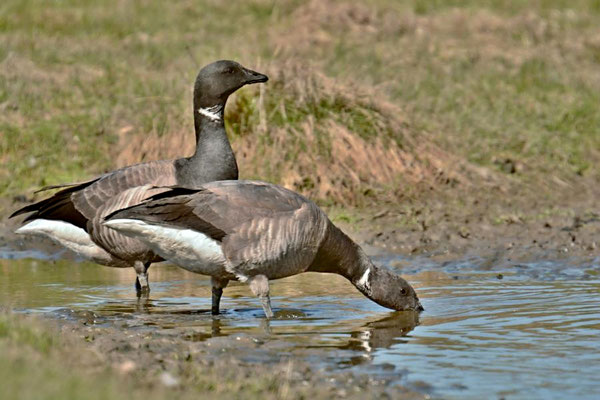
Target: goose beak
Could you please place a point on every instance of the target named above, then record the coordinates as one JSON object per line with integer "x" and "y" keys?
{"x": 419, "y": 307}
{"x": 254, "y": 77}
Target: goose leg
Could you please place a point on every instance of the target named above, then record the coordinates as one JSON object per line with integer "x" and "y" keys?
{"x": 217, "y": 291}
{"x": 259, "y": 285}
{"x": 141, "y": 281}
{"x": 266, "y": 304}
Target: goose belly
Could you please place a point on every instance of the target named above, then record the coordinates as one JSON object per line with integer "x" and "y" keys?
{"x": 187, "y": 248}
{"x": 73, "y": 238}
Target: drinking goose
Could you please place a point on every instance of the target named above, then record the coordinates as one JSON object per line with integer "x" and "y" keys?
{"x": 252, "y": 232}
{"x": 72, "y": 216}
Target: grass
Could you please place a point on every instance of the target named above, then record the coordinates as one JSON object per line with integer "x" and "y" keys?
{"x": 365, "y": 103}
{"x": 489, "y": 80}
{"x": 38, "y": 364}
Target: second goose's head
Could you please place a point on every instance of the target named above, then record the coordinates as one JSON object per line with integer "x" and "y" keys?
{"x": 218, "y": 80}
{"x": 387, "y": 288}
{"x": 390, "y": 290}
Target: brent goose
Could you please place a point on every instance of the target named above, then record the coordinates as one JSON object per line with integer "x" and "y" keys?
{"x": 72, "y": 217}
{"x": 254, "y": 231}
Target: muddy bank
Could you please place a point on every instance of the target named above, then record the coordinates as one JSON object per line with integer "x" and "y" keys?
{"x": 214, "y": 364}
{"x": 503, "y": 234}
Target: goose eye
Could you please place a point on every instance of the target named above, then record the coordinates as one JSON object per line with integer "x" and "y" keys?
{"x": 403, "y": 291}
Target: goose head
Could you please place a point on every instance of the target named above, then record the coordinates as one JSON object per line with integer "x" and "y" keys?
{"x": 388, "y": 290}
{"x": 218, "y": 80}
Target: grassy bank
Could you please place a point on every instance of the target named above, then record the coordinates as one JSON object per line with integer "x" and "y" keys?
{"x": 367, "y": 102}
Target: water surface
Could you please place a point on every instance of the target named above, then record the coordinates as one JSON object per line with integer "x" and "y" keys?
{"x": 527, "y": 331}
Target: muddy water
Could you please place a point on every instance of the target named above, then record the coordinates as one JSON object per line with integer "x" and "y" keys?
{"x": 525, "y": 331}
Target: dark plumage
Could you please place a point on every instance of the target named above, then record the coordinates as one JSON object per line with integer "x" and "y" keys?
{"x": 84, "y": 205}
{"x": 255, "y": 231}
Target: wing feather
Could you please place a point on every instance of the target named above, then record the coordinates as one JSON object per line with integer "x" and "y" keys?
{"x": 58, "y": 207}
{"x": 93, "y": 198}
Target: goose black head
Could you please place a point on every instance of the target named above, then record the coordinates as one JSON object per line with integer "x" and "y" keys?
{"x": 218, "y": 80}
{"x": 389, "y": 290}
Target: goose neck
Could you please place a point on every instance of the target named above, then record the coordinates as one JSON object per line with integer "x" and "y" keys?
{"x": 209, "y": 122}
{"x": 339, "y": 254}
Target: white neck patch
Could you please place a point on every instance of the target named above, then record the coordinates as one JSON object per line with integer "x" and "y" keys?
{"x": 213, "y": 113}
{"x": 364, "y": 280}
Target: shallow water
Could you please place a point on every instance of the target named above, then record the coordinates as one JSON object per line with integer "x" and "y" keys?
{"x": 530, "y": 333}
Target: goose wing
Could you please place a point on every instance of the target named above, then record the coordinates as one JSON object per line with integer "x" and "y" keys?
{"x": 58, "y": 207}
{"x": 114, "y": 188}
{"x": 81, "y": 202}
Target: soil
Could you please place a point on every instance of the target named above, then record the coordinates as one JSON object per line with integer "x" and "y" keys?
{"x": 504, "y": 228}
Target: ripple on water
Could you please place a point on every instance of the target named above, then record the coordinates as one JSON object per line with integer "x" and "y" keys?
{"x": 532, "y": 334}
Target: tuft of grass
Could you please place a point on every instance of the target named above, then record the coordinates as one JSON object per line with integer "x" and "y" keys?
{"x": 425, "y": 90}
{"x": 37, "y": 364}
{"x": 23, "y": 334}
{"x": 488, "y": 80}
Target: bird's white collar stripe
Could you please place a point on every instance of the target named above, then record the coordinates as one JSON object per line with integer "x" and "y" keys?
{"x": 213, "y": 113}
{"x": 364, "y": 280}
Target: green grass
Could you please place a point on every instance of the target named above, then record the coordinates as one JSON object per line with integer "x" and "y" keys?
{"x": 486, "y": 81}
{"x": 37, "y": 364}
{"x": 26, "y": 335}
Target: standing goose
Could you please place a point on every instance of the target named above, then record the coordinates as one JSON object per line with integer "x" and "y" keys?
{"x": 252, "y": 232}
{"x": 72, "y": 217}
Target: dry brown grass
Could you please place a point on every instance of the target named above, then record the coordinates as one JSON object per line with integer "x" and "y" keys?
{"x": 354, "y": 149}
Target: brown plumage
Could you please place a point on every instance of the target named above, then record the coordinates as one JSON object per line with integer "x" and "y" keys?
{"x": 255, "y": 231}
{"x": 77, "y": 210}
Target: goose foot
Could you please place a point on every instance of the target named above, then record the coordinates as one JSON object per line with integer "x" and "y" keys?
{"x": 265, "y": 324}
{"x": 142, "y": 287}
{"x": 259, "y": 285}
{"x": 216, "y": 299}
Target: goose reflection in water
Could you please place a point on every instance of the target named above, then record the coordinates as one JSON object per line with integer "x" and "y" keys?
{"x": 293, "y": 333}
{"x": 377, "y": 334}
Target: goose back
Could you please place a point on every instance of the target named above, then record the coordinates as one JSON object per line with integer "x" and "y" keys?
{"x": 261, "y": 228}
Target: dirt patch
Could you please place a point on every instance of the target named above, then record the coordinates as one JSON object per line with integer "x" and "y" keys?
{"x": 499, "y": 225}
